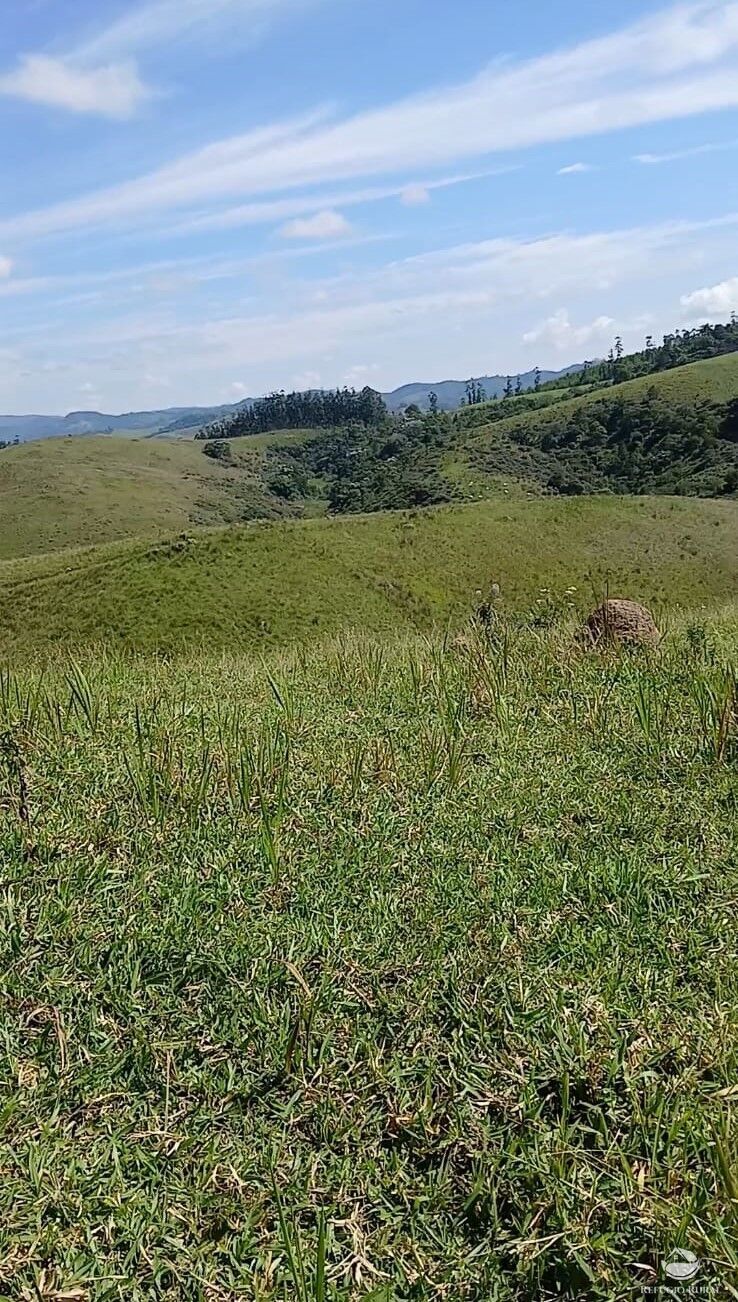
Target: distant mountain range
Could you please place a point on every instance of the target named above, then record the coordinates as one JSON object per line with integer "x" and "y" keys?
{"x": 451, "y": 393}
{"x": 170, "y": 420}
{"x": 147, "y": 423}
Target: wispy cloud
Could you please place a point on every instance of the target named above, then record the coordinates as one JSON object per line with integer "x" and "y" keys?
{"x": 484, "y": 273}
{"x": 254, "y": 214}
{"x": 712, "y": 301}
{"x": 480, "y": 275}
{"x": 114, "y": 90}
{"x": 718, "y": 147}
{"x": 549, "y": 266}
{"x": 149, "y": 25}
{"x": 325, "y": 225}
{"x": 218, "y": 169}
{"x": 161, "y": 279}
{"x": 679, "y": 62}
{"x": 493, "y": 291}
{"x": 574, "y": 169}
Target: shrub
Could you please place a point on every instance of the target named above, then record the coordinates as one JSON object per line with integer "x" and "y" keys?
{"x": 218, "y": 450}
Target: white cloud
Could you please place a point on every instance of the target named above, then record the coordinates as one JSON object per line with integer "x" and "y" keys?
{"x": 413, "y": 196}
{"x": 556, "y": 264}
{"x": 89, "y": 394}
{"x": 325, "y": 225}
{"x": 480, "y": 274}
{"x": 468, "y": 279}
{"x": 574, "y": 168}
{"x": 712, "y": 301}
{"x": 218, "y": 169}
{"x": 114, "y": 91}
{"x": 652, "y": 160}
{"x": 251, "y": 214}
{"x": 151, "y": 24}
{"x": 481, "y": 291}
{"x": 558, "y": 331}
{"x": 6, "y": 266}
{"x": 100, "y": 76}
{"x": 676, "y": 63}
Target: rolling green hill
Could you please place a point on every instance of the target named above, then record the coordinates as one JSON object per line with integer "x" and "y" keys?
{"x": 670, "y": 432}
{"x": 307, "y": 895}
{"x": 265, "y": 584}
{"x": 84, "y": 491}
{"x": 343, "y": 956}
{"x": 658, "y": 433}
{"x": 714, "y": 380}
{"x": 80, "y": 491}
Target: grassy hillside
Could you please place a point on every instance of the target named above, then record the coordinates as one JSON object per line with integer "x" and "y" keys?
{"x": 263, "y": 584}
{"x": 659, "y": 433}
{"x": 715, "y": 380}
{"x": 77, "y": 491}
{"x": 83, "y": 491}
{"x": 342, "y": 960}
{"x": 371, "y": 974}
{"x": 670, "y": 433}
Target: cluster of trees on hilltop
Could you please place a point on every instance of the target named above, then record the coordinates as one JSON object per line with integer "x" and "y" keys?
{"x": 315, "y": 409}
{"x": 676, "y": 349}
{"x": 533, "y": 400}
{"x": 329, "y": 409}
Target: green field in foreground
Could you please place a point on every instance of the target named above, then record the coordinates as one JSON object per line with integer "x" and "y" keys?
{"x": 400, "y": 971}
{"x": 266, "y": 584}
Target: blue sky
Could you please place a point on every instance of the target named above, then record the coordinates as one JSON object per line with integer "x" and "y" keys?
{"x": 204, "y": 199}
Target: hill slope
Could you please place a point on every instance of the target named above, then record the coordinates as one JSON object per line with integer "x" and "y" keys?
{"x": 714, "y": 380}
{"x": 672, "y": 433}
{"x": 658, "y": 433}
{"x": 77, "y": 492}
{"x": 56, "y": 494}
{"x": 268, "y": 584}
